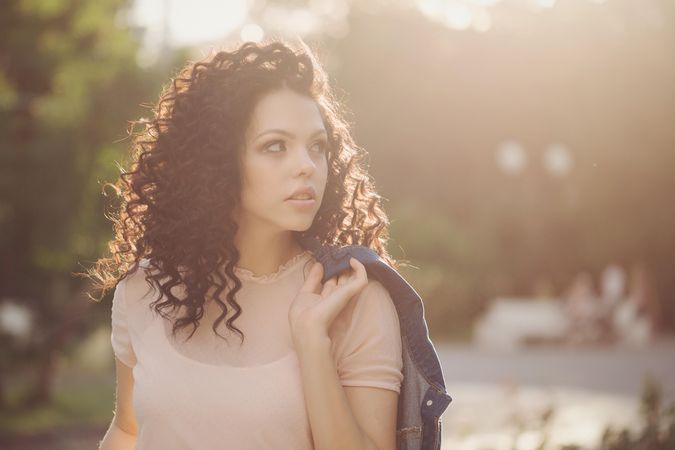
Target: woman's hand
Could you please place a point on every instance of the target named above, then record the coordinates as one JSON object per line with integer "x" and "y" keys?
{"x": 314, "y": 308}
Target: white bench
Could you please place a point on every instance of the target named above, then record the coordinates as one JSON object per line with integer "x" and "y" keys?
{"x": 509, "y": 322}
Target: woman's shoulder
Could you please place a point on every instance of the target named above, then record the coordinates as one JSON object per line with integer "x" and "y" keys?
{"x": 374, "y": 298}
{"x": 372, "y": 304}
{"x": 138, "y": 282}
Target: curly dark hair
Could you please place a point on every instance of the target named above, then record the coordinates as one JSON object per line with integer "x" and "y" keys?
{"x": 184, "y": 180}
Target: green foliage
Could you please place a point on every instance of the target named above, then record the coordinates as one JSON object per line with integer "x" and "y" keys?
{"x": 658, "y": 424}
{"x": 80, "y": 398}
{"x": 657, "y": 431}
{"x": 69, "y": 83}
{"x": 443, "y": 262}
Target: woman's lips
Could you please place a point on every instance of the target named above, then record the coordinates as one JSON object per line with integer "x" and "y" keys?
{"x": 302, "y": 204}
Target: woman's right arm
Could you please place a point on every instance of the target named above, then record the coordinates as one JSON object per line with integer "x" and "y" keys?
{"x": 123, "y": 430}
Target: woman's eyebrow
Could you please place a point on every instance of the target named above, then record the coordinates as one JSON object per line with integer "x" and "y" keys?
{"x": 289, "y": 134}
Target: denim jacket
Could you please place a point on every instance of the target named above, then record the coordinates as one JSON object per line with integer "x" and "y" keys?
{"x": 423, "y": 396}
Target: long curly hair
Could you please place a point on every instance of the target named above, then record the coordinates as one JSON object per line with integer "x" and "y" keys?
{"x": 183, "y": 182}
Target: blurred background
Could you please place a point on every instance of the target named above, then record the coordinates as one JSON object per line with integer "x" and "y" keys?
{"x": 525, "y": 150}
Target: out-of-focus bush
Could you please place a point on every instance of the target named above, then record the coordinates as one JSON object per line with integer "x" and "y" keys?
{"x": 443, "y": 263}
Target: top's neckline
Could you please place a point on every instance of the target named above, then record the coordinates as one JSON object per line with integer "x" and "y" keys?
{"x": 282, "y": 270}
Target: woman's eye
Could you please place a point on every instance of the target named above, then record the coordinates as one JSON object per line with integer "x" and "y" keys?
{"x": 269, "y": 147}
{"x": 271, "y": 144}
{"x": 322, "y": 145}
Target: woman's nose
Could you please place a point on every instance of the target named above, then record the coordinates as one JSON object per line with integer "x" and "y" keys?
{"x": 304, "y": 161}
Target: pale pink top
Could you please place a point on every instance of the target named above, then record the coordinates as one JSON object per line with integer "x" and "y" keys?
{"x": 211, "y": 394}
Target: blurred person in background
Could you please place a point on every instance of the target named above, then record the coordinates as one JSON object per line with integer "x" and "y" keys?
{"x": 583, "y": 306}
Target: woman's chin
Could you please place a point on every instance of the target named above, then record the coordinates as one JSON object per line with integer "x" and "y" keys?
{"x": 302, "y": 225}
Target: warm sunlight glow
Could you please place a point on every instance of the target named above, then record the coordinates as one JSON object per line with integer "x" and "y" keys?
{"x": 546, "y": 3}
{"x": 189, "y": 22}
{"x": 459, "y": 14}
{"x": 482, "y": 21}
{"x": 252, "y": 32}
{"x": 557, "y": 159}
{"x": 511, "y": 157}
{"x": 479, "y": 15}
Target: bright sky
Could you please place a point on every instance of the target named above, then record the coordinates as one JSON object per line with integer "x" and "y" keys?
{"x": 195, "y": 22}
{"x": 190, "y": 21}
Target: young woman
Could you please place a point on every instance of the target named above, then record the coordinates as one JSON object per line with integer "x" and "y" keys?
{"x": 224, "y": 335}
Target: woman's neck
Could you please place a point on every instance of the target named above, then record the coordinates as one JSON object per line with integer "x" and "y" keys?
{"x": 264, "y": 259}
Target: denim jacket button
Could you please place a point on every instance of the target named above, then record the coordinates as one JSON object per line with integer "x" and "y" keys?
{"x": 429, "y": 402}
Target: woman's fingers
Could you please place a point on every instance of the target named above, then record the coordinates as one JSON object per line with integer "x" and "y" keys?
{"x": 344, "y": 277}
{"x": 352, "y": 281}
{"x": 312, "y": 283}
{"x": 359, "y": 277}
{"x": 328, "y": 287}
{"x": 349, "y": 282}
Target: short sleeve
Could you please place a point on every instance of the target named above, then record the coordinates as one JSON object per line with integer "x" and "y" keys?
{"x": 370, "y": 351}
{"x": 120, "y": 337}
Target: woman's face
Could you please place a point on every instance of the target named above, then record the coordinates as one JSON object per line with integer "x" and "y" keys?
{"x": 285, "y": 149}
